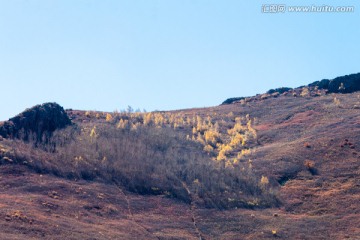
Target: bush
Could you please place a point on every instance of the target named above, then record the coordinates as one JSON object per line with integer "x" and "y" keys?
{"x": 310, "y": 166}
{"x": 146, "y": 160}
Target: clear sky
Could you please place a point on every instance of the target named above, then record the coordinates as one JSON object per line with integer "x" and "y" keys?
{"x": 165, "y": 54}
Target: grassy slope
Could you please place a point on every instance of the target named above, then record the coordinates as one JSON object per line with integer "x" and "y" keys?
{"x": 322, "y": 203}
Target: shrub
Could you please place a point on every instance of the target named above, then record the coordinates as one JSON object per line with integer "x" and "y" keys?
{"x": 109, "y": 117}
{"x": 305, "y": 92}
{"x": 152, "y": 158}
{"x": 211, "y": 136}
{"x": 310, "y": 166}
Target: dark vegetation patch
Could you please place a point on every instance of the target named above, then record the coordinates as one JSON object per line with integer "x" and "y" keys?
{"x": 344, "y": 84}
{"x": 279, "y": 90}
{"x": 231, "y": 100}
{"x": 38, "y": 122}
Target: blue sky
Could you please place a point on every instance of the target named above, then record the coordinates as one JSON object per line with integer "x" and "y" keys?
{"x": 165, "y": 54}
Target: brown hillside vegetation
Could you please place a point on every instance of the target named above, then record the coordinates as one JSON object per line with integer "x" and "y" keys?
{"x": 278, "y": 167}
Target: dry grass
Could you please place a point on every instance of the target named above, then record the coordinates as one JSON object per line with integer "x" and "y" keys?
{"x": 152, "y": 158}
{"x": 289, "y": 131}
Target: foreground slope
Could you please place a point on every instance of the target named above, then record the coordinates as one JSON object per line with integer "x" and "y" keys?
{"x": 307, "y": 147}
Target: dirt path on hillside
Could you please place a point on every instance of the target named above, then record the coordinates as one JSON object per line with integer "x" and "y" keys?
{"x": 130, "y": 214}
{"x": 192, "y": 209}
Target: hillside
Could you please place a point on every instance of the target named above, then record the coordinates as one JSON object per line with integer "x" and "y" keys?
{"x": 344, "y": 84}
{"x": 274, "y": 166}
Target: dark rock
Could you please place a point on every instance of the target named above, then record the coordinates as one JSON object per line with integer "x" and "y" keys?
{"x": 232, "y": 100}
{"x": 323, "y": 84}
{"x": 345, "y": 84}
{"x": 279, "y": 90}
{"x": 35, "y": 122}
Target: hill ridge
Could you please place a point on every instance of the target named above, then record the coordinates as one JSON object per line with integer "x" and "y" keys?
{"x": 343, "y": 84}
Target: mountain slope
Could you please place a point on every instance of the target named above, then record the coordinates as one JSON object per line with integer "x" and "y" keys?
{"x": 306, "y": 153}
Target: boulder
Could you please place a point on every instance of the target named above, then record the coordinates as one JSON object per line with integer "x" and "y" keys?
{"x": 35, "y": 122}
{"x": 323, "y": 84}
{"x": 279, "y": 90}
{"x": 345, "y": 84}
{"x": 232, "y": 100}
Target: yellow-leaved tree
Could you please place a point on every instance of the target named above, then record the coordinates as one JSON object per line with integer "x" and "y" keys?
{"x": 109, "y": 117}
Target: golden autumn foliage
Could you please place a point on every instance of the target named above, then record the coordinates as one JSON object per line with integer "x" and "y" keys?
{"x": 109, "y": 117}
{"x": 194, "y": 131}
{"x": 264, "y": 181}
{"x": 211, "y": 136}
{"x": 237, "y": 140}
{"x": 208, "y": 148}
{"x": 215, "y": 134}
{"x": 123, "y": 124}
{"x": 159, "y": 119}
{"x": 147, "y": 119}
{"x": 251, "y": 129}
{"x": 238, "y": 128}
{"x": 224, "y": 150}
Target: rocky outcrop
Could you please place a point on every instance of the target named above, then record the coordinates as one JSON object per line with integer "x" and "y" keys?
{"x": 36, "y": 121}
{"x": 279, "y": 90}
{"x": 232, "y": 100}
{"x": 345, "y": 84}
